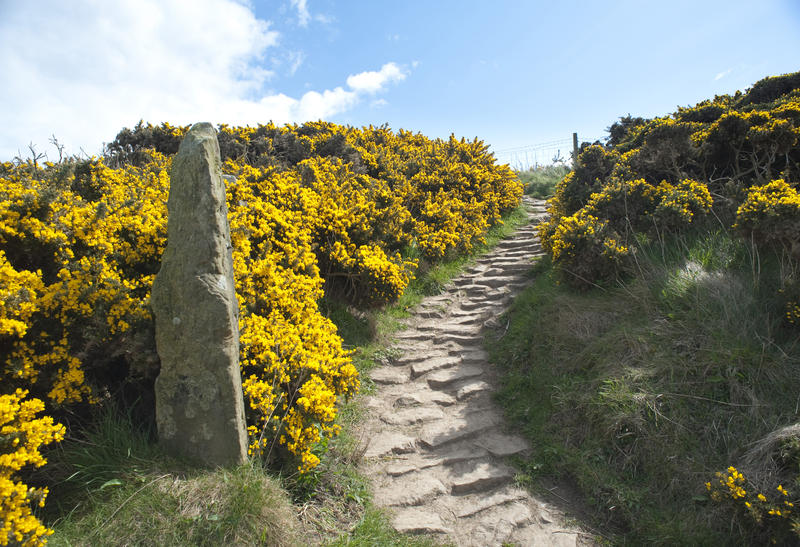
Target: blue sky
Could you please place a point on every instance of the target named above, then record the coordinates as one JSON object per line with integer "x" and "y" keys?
{"x": 515, "y": 74}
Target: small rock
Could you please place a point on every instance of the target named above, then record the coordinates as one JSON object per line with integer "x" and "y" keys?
{"x": 419, "y": 521}
{"x": 410, "y": 416}
{"x": 411, "y": 489}
{"x": 484, "y": 476}
{"x": 445, "y": 377}
{"x": 386, "y": 375}
{"x": 472, "y": 388}
{"x": 436, "y": 363}
{"x": 389, "y": 442}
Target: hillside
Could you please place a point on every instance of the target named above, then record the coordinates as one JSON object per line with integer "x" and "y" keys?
{"x": 654, "y": 364}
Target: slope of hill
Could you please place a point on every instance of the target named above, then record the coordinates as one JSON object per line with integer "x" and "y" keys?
{"x": 655, "y": 362}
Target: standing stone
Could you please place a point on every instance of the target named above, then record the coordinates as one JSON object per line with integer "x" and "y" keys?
{"x": 199, "y": 404}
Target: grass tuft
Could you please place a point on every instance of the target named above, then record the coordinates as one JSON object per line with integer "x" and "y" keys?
{"x": 128, "y": 493}
{"x": 540, "y": 182}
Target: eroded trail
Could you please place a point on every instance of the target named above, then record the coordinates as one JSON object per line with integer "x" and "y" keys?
{"x": 437, "y": 441}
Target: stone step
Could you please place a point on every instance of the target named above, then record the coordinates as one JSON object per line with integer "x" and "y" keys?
{"x": 419, "y": 521}
{"x": 471, "y": 357}
{"x": 412, "y": 357}
{"x": 411, "y": 335}
{"x": 498, "y": 525}
{"x": 472, "y": 388}
{"x": 466, "y": 340}
{"x": 413, "y": 415}
{"x": 474, "y": 288}
{"x": 443, "y": 378}
{"x": 483, "y": 477}
{"x": 387, "y": 375}
{"x": 430, "y": 365}
{"x": 405, "y": 346}
{"x": 496, "y": 282}
{"x": 504, "y": 249}
{"x": 502, "y": 445}
{"x": 425, "y": 396}
{"x": 449, "y": 326}
{"x": 450, "y": 458}
{"x": 410, "y": 489}
{"x": 472, "y": 270}
{"x": 504, "y": 271}
{"x": 515, "y": 266}
{"x": 473, "y": 305}
{"x": 482, "y": 503}
{"x": 389, "y": 442}
{"x": 438, "y": 434}
{"x": 430, "y": 314}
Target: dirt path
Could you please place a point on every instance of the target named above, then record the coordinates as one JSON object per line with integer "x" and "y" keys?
{"x": 437, "y": 441}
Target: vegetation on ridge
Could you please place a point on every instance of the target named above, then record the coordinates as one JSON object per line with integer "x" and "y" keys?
{"x": 654, "y": 364}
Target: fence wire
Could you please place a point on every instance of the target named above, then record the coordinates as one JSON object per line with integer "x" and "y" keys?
{"x": 540, "y": 154}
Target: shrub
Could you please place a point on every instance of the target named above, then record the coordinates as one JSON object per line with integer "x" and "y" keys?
{"x": 587, "y": 250}
{"x": 626, "y": 205}
{"x": 771, "y": 214}
{"x": 292, "y": 361}
{"x": 770, "y": 88}
{"x": 681, "y": 204}
{"x": 772, "y": 513}
{"x": 593, "y": 166}
{"x": 21, "y": 437}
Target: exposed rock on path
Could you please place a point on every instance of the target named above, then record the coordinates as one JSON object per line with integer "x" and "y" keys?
{"x": 438, "y": 442}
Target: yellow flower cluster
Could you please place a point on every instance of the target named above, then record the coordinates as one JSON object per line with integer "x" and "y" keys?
{"x": 729, "y": 488}
{"x": 681, "y": 203}
{"x": 587, "y": 249}
{"x": 21, "y": 437}
{"x": 771, "y": 213}
{"x": 587, "y": 245}
{"x": 86, "y": 241}
{"x": 292, "y": 361}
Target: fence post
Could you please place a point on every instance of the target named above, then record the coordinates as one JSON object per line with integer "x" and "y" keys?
{"x": 574, "y": 148}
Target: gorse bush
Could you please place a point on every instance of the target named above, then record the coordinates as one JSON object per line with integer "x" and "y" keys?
{"x": 658, "y": 176}
{"x": 22, "y": 435}
{"x": 313, "y": 209}
{"x": 588, "y": 248}
{"x": 774, "y": 512}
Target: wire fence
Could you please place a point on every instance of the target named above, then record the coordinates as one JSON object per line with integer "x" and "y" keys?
{"x": 540, "y": 154}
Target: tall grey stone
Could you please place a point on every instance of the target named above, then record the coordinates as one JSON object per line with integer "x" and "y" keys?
{"x": 199, "y": 404}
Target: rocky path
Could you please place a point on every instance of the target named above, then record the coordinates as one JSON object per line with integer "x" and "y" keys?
{"x": 437, "y": 441}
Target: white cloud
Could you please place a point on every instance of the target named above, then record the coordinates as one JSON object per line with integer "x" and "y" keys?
{"x": 303, "y": 14}
{"x": 296, "y": 59}
{"x": 379, "y": 103}
{"x": 372, "y": 82}
{"x": 722, "y": 74}
{"x": 157, "y": 60}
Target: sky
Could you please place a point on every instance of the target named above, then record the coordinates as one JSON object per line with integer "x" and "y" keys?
{"x": 520, "y": 75}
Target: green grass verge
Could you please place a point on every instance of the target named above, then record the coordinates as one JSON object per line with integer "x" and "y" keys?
{"x": 634, "y": 397}
{"x": 540, "y": 182}
{"x": 115, "y": 488}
